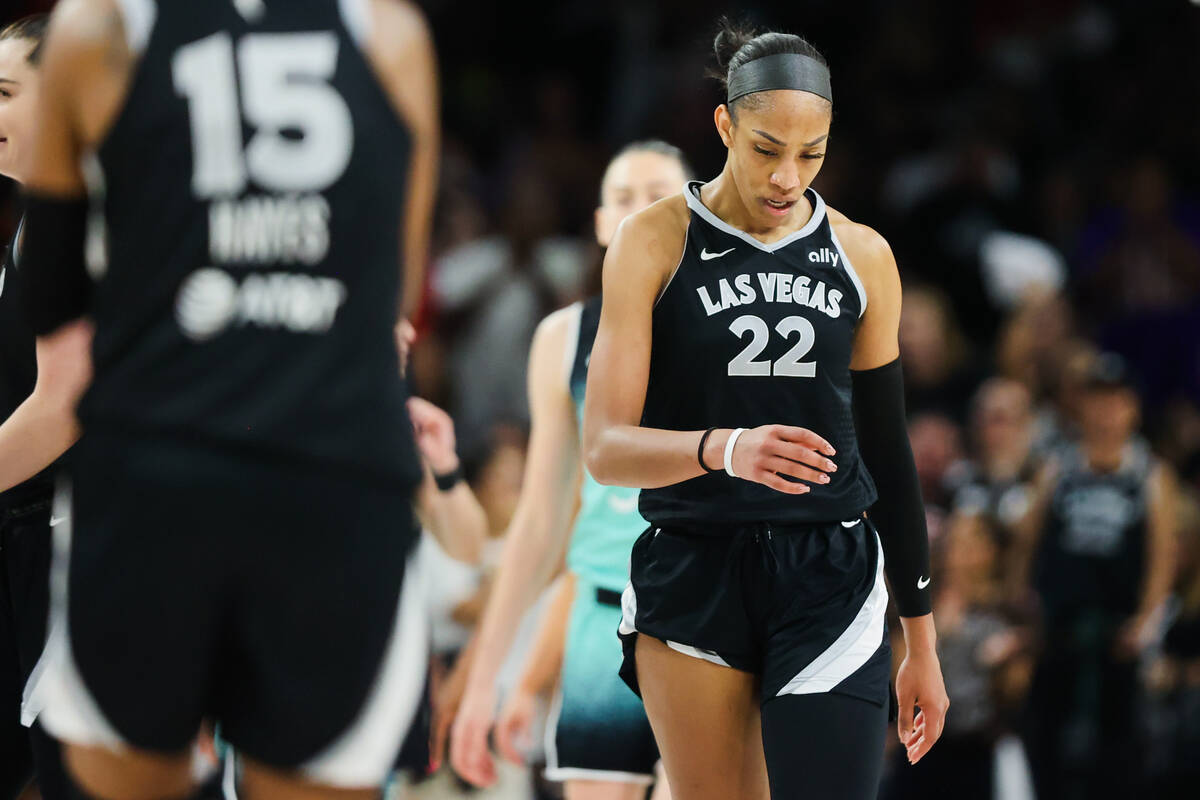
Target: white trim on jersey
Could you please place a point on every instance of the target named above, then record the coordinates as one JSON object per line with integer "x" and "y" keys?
{"x": 574, "y": 319}
{"x": 356, "y": 16}
{"x": 861, "y": 640}
{"x": 691, "y": 195}
{"x": 858, "y": 285}
{"x": 138, "y": 17}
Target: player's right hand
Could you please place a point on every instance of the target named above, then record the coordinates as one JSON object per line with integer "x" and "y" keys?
{"x": 469, "y": 753}
{"x": 513, "y": 738}
{"x": 769, "y": 452}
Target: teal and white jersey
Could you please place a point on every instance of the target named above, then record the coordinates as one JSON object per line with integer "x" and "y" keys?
{"x": 608, "y": 521}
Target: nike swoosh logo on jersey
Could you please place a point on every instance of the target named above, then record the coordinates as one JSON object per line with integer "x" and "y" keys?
{"x": 56, "y": 521}
{"x": 922, "y": 582}
{"x": 707, "y": 256}
{"x": 850, "y": 523}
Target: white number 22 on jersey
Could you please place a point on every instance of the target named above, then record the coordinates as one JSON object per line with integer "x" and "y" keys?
{"x": 284, "y": 79}
{"x": 789, "y": 364}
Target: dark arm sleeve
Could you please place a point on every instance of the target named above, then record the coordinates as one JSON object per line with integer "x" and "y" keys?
{"x": 899, "y": 514}
{"x": 58, "y": 289}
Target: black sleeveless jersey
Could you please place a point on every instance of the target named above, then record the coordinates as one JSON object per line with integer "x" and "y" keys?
{"x": 1093, "y": 546}
{"x": 253, "y": 187}
{"x": 18, "y": 361}
{"x": 589, "y": 323}
{"x": 748, "y": 334}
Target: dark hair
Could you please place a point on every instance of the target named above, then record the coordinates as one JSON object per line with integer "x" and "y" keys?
{"x": 657, "y": 146}
{"x": 737, "y": 44}
{"x": 31, "y": 28}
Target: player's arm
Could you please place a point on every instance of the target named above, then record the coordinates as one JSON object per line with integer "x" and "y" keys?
{"x": 534, "y": 543}
{"x": 401, "y": 48}
{"x": 85, "y": 69}
{"x": 44, "y": 426}
{"x": 881, "y": 430}
{"x": 1159, "y": 570}
{"x": 639, "y": 263}
{"x": 452, "y": 514}
{"x": 541, "y": 670}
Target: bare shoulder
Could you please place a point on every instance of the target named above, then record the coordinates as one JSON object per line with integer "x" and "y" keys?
{"x": 556, "y": 324}
{"x": 865, "y": 247}
{"x": 657, "y": 231}
{"x": 400, "y": 49}
{"x": 88, "y": 64}
{"x": 399, "y": 23}
{"x": 89, "y": 31}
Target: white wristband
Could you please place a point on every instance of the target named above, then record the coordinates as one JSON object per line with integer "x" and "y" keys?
{"x": 733, "y": 437}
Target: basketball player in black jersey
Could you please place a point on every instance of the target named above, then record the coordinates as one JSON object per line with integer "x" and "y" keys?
{"x": 745, "y": 375}
{"x": 243, "y": 495}
{"x": 25, "y": 495}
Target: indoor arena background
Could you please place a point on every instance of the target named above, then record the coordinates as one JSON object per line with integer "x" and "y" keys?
{"x": 1035, "y": 165}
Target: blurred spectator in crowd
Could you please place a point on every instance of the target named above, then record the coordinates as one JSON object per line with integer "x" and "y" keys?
{"x": 1139, "y": 280}
{"x": 960, "y": 195}
{"x": 1029, "y": 342}
{"x": 985, "y": 661}
{"x": 1101, "y": 527}
{"x": 940, "y": 370}
{"x": 996, "y": 482}
{"x": 937, "y": 448}
{"x": 488, "y": 295}
{"x": 1143, "y": 256}
{"x": 1179, "y": 439}
{"x": 1174, "y": 679}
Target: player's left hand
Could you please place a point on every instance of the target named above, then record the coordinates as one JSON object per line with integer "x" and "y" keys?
{"x": 919, "y": 684}
{"x": 435, "y": 435}
{"x": 470, "y": 755}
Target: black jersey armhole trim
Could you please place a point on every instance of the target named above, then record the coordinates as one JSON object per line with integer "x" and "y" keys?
{"x": 571, "y": 351}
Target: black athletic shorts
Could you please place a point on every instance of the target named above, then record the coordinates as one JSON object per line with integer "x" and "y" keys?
{"x": 801, "y": 606}
{"x": 271, "y": 598}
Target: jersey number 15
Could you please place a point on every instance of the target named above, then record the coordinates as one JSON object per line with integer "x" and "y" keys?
{"x": 304, "y": 133}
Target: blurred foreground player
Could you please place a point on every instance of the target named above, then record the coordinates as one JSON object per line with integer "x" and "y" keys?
{"x": 25, "y": 494}
{"x": 248, "y": 466}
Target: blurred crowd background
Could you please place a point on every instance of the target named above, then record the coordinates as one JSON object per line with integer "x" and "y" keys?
{"x": 1035, "y": 166}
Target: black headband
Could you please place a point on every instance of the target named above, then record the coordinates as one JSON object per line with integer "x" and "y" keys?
{"x": 780, "y": 71}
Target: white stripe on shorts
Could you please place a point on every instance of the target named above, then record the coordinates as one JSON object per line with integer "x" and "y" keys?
{"x": 362, "y": 756}
{"x": 365, "y": 753}
{"x": 850, "y": 650}
{"x": 629, "y": 614}
{"x": 56, "y": 694}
